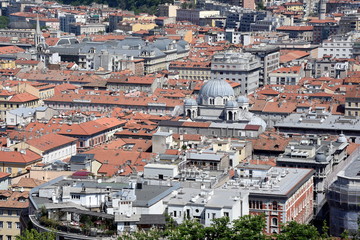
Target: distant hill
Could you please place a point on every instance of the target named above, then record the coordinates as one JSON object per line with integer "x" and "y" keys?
{"x": 138, "y": 6}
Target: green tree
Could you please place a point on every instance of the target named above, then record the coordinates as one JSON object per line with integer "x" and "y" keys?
{"x": 4, "y": 21}
{"x": 152, "y": 234}
{"x": 249, "y": 227}
{"x": 325, "y": 230}
{"x": 35, "y": 235}
{"x": 184, "y": 5}
{"x": 260, "y": 6}
{"x": 219, "y": 229}
{"x": 188, "y": 230}
{"x": 296, "y": 231}
{"x": 345, "y": 235}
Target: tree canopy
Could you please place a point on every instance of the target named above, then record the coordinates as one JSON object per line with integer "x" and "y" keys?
{"x": 4, "y": 21}
{"x": 138, "y": 6}
{"x": 35, "y": 235}
{"x": 249, "y": 227}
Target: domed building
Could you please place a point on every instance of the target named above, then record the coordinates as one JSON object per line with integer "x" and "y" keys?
{"x": 217, "y": 103}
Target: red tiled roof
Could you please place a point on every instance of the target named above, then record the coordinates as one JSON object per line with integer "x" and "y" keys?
{"x": 50, "y": 141}
{"x": 14, "y": 199}
{"x": 28, "y": 182}
{"x": 4, "y": 175}
{"x": 17, "y": 157}
{"x": 23, "y": 97}
{"x": 11, "y": 49}
{"x": 295, "y": 28}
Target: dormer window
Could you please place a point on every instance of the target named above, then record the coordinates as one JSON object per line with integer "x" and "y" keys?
{"x": 3, "y": 198}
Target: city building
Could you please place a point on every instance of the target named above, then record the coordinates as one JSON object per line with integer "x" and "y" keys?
{"x": 194, "y": 15}
{"x": 349, "y": 22}
{"x": 192, "y": 70}
{"x": 68, "y": 19}
{"x": 338, "y": 46}
{"x": 14, "y": 209}
{"x": 91, "y": 133}
{"x": 167, "y": 10}
{"x": 324, "y": 156}
{"x": 343, "y": 198}
{"x": 52, "y": 147}
{"x": 243, "y": 68}
{"x": 331, "y": 67}
{"x": 111, "y": 55}
{"x": 17, "y": 163}
{"x": 323, "y": 29}
{"x": 287, "y": 75}
{"x": 207, "y": 204}
{"x": 319, "y": 123}
{"x": 352, "y": 103}
{"x": 269, "y": 60}
{"x": 117, "y": 206}
{"x": 281, "y": 194}
{"x": 86, "y": 29}
{"x": 304, "y": 33}
{"x": 116, "y": 18}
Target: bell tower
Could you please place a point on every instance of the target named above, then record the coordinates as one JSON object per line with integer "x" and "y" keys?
{"x": 38, "y": 34}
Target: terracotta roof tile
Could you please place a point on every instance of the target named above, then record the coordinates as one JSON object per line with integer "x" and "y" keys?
{"x": 50, "y": 141}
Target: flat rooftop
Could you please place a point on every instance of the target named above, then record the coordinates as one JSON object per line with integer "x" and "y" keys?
{"x": 281, "y": 182}
{"x": 325, "y": 122}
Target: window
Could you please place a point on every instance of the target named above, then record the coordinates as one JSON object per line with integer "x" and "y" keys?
{"x": 75, "y": 196}
{"x": 226, "y": 214}
{"x": 274, "y": 221}
{"x": 9, "y": 170}
{"x": 9, "y": 224}
{"x": 1, "y": 224}
{"x": 174, "y": 214}
{"x": 8, "y": 237}
{"x": 17, "y": 225}
{"x": 275, "y": 205}
{"x": 9, "y": 212}
{"x": 1, "y": 212}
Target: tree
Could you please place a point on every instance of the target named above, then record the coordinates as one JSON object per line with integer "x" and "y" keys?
{"x": 296, "y": 231}
{"x": 4, "y": 21}
{"x": 249, "y": 227}
{"x": 35, "y": 235}
{"x": 188, "y": 230}
{"x": 260, "y": 6}
{"x": 152, "y": 234}
{"x": 325, "y": 230}
{"x": 219, "y": 229}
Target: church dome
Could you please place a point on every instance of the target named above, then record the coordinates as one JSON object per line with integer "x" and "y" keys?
{"x": 242, "y": 99}
{"x": 190, "y": 102}
{"x": 216, "y": 88}
{"x": 342, "y": 138}
{"x": 320, "y": 157}
{"x": 231, "y": 104}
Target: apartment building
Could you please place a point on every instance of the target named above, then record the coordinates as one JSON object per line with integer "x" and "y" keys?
{"x": 243, "y": 68}
{"x": 13, "y": 211}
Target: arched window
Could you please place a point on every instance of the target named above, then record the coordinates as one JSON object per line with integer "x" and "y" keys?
{"x": 188, "y": 113}
{"x": 274, "y": 221}
{"x": 230, "y": 115}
